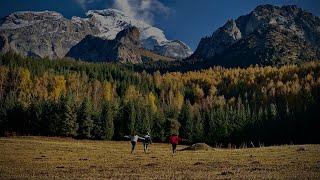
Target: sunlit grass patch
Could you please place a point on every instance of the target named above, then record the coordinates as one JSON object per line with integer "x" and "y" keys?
{"x": 40, "y": 157}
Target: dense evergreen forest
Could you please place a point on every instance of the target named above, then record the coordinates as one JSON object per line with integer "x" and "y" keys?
{"x": 270, "y": 105}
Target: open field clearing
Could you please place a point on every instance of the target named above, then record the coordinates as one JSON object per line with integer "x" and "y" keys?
{"x": 47, "y": 158}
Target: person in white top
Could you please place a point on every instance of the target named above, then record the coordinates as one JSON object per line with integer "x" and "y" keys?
{"x": 134, "y": 139}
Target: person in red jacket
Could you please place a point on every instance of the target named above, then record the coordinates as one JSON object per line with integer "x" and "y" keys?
{"x": 174, "y": 140}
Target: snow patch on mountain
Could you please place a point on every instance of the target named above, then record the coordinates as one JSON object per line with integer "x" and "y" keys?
{"x": 111, "y": 21}
{"x": 106, "y": 24}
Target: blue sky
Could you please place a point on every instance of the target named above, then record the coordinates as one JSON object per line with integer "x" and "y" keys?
{"x": 186, "y": 20}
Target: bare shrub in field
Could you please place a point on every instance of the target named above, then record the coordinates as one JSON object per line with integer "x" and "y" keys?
{"x": 301, "y": 148}
{"x": 197, "y": 147}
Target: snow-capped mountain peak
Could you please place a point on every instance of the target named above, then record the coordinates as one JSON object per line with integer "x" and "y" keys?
{"x": 112, "y": 21}
{"x": 60, "y": 34}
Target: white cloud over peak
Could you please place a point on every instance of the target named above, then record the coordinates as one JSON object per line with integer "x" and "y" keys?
{"x": 144, "y": 10}
{"x": 85, "y": 3}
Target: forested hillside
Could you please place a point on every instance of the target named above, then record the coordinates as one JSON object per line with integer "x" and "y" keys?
{"x": 271, "y": 105}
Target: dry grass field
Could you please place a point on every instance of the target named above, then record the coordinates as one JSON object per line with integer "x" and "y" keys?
{"x": 48, "y": 158}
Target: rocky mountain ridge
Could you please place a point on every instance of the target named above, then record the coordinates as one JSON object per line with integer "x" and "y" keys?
{"x": 269, "y": 35}
{"x": 49, "y": 34}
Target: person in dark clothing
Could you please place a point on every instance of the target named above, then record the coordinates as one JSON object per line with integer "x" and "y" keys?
{"x": 147, "y": 140}
{"x": 133, "y": 146}
{"x": 174, "y": 140}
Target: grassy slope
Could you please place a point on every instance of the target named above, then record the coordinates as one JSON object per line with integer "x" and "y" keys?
{"x": 154, "y": 56}
{"x": 25, "y": 157}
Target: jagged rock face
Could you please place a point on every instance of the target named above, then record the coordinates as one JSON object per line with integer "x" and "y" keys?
{"x": 269, "y": 35}
{"x": 221, "y": 39}
{"x": 129, "y": 37}
{"x": 43, "y": 34}
{"x": 124, "y": 48}
{"x": 175, "y": 49}
{"x": 49, "y": 34}
{"x": 4, "y": 45}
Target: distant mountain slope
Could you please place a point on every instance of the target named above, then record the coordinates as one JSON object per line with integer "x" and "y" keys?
{"x": 49, "y": 34}
{"x": 125, "y": 48}
{"x": 269, "y": 35}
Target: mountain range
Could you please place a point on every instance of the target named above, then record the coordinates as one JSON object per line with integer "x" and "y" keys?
{"x": 49, "y": 34}
{"x": 269, "y": 35}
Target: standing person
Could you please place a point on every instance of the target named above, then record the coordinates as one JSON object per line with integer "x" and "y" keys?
{"x": 147, "y": 140}
{"x": 174, "y": 140}
{"x": 134, "y": 139}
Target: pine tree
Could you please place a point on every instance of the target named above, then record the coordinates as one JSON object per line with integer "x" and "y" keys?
{"x": 146, "y": 118}
{"x": 132, "y": 116}
{"x": 35, "y": 112}
{"x": 97, "y": 130}
{"x": 158, "y": 126}
{"x": 172, "y": 127}
{"x": 3, "y": 117}
{"x": 68, "y": 119}
{"x": 51, "y": 118}
{"x": 84, "y": 120}
{"x": 186, "y": 121}
{"x": 197, "y": 125}
{"x": 107, "y": 119}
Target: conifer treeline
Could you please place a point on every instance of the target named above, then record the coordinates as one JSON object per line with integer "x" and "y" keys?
{"x": 106, "y": 101}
